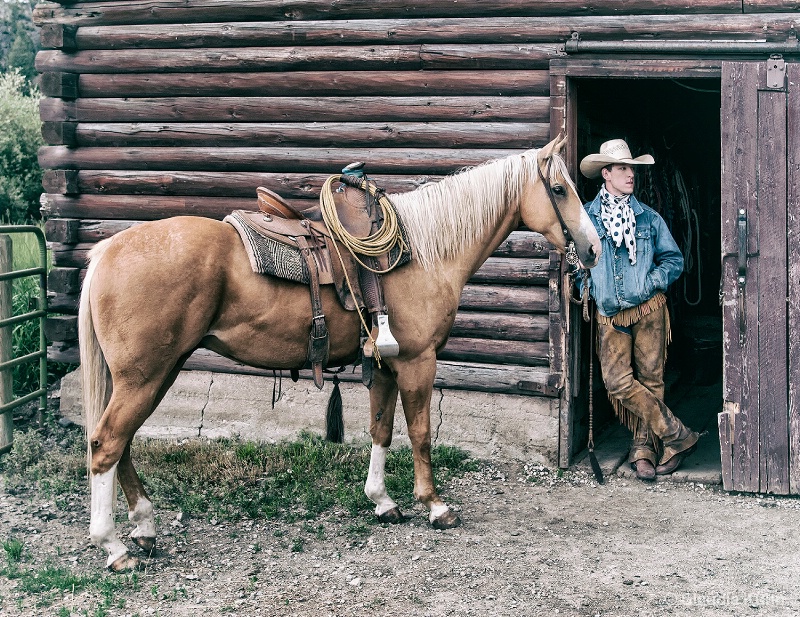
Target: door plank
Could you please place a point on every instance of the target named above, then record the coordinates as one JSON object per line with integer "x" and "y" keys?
{"x": 771, "y": 295}
{"x": 793, "y": 239}
{"x": 739, "y": 134}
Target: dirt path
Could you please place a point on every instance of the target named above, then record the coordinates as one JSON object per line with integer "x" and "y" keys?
{"x": 532, "y": 543}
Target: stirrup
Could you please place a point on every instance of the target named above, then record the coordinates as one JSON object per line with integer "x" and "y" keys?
{"x": 386, "y": 343}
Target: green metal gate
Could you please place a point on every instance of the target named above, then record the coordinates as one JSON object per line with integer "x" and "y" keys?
{"x": 7, "y": 406}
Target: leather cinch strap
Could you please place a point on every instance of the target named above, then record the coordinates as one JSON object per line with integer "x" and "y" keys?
{"x": 318, "y": 342}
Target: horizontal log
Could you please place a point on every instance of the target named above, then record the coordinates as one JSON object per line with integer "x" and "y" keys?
{"x": 659, "y": 68}
{"x": 322, "y": 160}
{"x": 303, "y": 109}
{"x": 64, "y": 281}
{"x": 319, "y": 134}
{"x": 327, "y": 58}
{"x": 61, "y": 328}
{"x": 507, "y": 298}
{"x": 483, "y": 350}
{"x": 200, "y": 11}
{"x": 514, "y": 271}
{"x": 298, "y": 83}
{"x": 87, "y": 231}
{"x": 501, "y": 326}
{"x": 497, "y": 270}
{"x": 478, "y": 377}
{"x": 761, "y": 6}
{"x": 207, "y": 183}
{"x": 63, "y": 303}
{"x": 407, "y": 31}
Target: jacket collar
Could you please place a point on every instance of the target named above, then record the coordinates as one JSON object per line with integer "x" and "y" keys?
{"x": 593, "y": 207}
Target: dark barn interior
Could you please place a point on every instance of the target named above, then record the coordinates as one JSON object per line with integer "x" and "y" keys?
{"x": 678, "y": 122}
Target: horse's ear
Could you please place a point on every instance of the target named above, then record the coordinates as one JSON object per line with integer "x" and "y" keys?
{"x": 554, "y": 147}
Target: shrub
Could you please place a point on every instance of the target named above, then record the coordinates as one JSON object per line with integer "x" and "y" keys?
{"x": 20, "y": 139}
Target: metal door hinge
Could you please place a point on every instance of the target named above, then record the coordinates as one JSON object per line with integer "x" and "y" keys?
{"x": 776, "y": 72}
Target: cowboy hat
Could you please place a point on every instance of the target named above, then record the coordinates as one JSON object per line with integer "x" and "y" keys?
{"x": 614, "y": 152}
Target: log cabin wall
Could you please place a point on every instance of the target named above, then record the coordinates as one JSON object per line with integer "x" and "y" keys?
{"x": 155, "y": 109}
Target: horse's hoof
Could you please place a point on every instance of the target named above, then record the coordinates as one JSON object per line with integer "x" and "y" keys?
{"x": 126, "y": 563}
{"x": 145, "y": 543}
{"x": 448, "y": 520}
{"x": 392, "y": 516}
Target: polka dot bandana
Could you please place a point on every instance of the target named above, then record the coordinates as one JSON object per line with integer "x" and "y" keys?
{"x": 619, "y": 221}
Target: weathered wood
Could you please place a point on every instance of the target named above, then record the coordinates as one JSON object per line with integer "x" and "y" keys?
{"x": 64, "y": 281}
{"x": 177, "y": 11}
{"x": 793, "y": 242}
{"x": 322, "y": 160}
{"x": 762, "y": 6}
{"x": 310, "y": 83}
{"x": 61, "y": 85}
{"x": 319, "y": 134}
{"x": 60, "y": 133}
{"x": 485, "y": 350}
{"x": 298, "y": 109}
{"x": 513, "y": 271}
{"x": 209, "y": 183}
{"x": 59, "y": 36}
{"x": 63, "y": 303}
{"x": 64, "y": 231}
{"x": 61, "y": 328}
{"x": 405, "y": 31}
{"x": 509, "y": 298}
{"x": 615, "y": 67}
{"x": 6, "y": 346}
{"x": 739, "y": 179}
{"x": 770, "y": 328}
{"x": 361, "y": 58}
{"x": 501, "y": 326}
{"x": 143, "y": 208}
{"x": 61, "y": 181}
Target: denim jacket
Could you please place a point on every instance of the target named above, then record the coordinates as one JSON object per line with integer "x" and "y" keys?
{"x": 614, "y": 283}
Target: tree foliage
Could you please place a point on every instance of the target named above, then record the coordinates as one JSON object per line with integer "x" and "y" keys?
{"x": 20, "y": 139}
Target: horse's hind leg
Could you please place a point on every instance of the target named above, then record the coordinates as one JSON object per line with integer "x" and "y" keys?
{"x": 415, "y": 382}
{"x": 383, "y": 400}
{"x": 140, "y": 508}
{"x": 127, "y": 410}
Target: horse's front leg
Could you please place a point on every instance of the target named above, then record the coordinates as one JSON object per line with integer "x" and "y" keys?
{"x": 382, "y": 402}
{"x": 140, "y": 508}
{"x": 415, "y": 381}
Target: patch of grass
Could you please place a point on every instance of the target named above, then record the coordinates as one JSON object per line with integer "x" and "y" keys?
{"x": 13, "y": 549}
{"x": 54, "y": 468}
{"x": 227, "y": 479}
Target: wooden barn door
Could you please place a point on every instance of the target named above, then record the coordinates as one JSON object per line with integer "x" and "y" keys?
{"x": 760, "y": 423}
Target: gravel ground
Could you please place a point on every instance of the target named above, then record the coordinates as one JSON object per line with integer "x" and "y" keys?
{"x": 533, "y": 542}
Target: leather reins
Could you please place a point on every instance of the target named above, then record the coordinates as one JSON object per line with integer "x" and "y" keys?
{"x": 571, "y": 253}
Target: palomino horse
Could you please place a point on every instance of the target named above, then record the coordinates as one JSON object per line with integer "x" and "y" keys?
{"x": 157, "y": 291}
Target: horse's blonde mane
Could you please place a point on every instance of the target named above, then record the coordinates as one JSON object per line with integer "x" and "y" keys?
{"x": 441, "y": 218}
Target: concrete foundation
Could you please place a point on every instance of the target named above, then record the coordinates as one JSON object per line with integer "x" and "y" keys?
{"x": 211, "y": 405}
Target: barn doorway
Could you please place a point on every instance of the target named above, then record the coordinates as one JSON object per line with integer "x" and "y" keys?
{"x": 677, "y": 121}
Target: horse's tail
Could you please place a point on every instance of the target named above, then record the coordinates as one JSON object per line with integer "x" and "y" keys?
{"x": 95, "y": 376}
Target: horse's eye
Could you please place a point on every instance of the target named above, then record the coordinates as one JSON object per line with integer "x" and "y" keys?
{"x": 559, "y": 190}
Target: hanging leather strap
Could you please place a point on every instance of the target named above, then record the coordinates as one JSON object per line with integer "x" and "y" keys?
{"x": 318, "y": 342}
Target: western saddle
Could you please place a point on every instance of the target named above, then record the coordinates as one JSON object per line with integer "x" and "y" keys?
{"x": 349, "y": 240}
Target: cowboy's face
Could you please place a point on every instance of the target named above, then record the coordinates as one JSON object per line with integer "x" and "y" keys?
{"x": 618, "y": 179}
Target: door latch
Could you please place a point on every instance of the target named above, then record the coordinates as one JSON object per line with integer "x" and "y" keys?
{"x": 776, "y": 72}
{"x": 741, "y": 277}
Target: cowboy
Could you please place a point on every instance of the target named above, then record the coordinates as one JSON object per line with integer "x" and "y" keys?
{"x": 640, "y": 259}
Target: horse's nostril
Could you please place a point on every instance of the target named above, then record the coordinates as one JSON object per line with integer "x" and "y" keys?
{"x": 591, "y": 251}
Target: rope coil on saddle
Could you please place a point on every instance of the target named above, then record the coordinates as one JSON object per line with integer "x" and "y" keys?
{"x": 382, "y": 241}
{"x": 378, "y": 243}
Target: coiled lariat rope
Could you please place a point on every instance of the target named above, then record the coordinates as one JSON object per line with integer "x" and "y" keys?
{"x": 382, "y": 241}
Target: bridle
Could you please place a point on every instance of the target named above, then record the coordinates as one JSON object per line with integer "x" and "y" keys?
{"x": 571, "y": 253}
